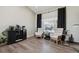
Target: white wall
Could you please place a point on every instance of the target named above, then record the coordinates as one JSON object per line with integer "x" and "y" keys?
{"x": 17, "y": 15}
{"x": 73, "y": 18}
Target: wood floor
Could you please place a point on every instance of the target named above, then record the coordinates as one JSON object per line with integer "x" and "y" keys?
{"x": 35, "y": 45}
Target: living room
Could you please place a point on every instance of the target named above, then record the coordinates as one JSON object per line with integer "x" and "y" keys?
{"x": 38, "y": 22}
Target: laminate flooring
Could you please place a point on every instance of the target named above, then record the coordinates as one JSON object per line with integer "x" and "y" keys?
{"x": 36, "y": 45}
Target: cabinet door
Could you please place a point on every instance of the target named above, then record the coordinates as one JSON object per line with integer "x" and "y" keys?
{"x": 11, "y": 37}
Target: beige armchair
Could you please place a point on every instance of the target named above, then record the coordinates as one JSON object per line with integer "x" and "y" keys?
{"x": 56, "y": 36}
{"x": 39, "y": 33}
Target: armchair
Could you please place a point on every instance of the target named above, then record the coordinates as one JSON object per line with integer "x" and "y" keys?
{"x": 57, "y": 35}
{"x": 39, "y": 33}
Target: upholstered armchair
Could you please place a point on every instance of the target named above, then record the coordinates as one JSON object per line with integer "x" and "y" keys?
{"x": 57, "y": 35}
{"x": 39, "y": 33}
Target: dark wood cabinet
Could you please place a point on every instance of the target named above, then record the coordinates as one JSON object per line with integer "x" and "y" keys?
{"x": 16, "y": 36}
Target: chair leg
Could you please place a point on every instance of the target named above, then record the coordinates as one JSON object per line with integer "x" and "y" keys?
{"x": 61, "y": 42}
{"x": 57, "y": 41}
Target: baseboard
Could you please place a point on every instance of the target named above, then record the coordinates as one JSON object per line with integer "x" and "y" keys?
{"x": 73, "y": 42}
{"x": 30, "y": 36}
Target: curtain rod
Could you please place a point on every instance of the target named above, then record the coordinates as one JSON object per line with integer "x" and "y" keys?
{"x": 49, "y": 11}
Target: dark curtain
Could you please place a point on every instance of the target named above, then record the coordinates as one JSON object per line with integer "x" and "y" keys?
{"x": 39, "y": 17}
{"x": 61, "y": 18}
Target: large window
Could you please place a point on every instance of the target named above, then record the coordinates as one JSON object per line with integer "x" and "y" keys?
{"x": 49, "y": 19}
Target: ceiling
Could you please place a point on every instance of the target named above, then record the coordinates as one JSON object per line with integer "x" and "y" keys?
{"x": 44, "y": 9}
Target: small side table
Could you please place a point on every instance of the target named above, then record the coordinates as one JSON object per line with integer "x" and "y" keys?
{"x": 47, "y": 36}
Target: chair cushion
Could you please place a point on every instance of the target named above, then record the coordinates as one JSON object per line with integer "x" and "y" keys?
{"x": 38, "y": 34}
{"x": 58, "y": 32}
